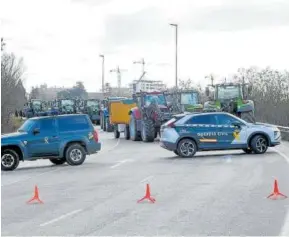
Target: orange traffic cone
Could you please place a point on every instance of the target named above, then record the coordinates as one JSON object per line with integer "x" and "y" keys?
{"x": 36, "y": 196}
{"x": 276, "y": 192}
{"x": 147, "y": 195}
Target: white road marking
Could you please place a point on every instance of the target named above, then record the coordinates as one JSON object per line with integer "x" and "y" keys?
{"x": 147, "y": 179}
{"x": 29, "y": 177}
{"x": 61, "y": 217}
{"x": 120, "y": 163}
{"x": 282, "y": 154}
{"x": 118, "y": 140}
{"x": 285, "y": 228}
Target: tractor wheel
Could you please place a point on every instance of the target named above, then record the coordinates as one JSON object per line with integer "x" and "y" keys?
{"x": 104, "y": 123}
{"x": 101, "y": 121}
{"x": 248, "y": 117}
{"x": 115, "y": 131}
{"x": 109, "y": 127}
{"x": 148, "y": 131}
{"x": 134, "y": 133}
{"x": 126, "y": 132}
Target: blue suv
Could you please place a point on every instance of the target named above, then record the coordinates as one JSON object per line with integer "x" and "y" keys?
{"x": 63, "y": 138}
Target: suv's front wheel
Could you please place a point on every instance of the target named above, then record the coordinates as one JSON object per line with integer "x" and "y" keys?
{"x": 75, "y": 154}
{"x": 9, "y": 160}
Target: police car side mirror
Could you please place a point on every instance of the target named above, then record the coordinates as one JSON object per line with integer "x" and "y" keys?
{"x": 237, "y": 124}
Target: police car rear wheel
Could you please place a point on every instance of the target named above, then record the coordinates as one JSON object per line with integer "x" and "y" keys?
{"x": 187, "y": 148}
{"x": 259, "y": 144}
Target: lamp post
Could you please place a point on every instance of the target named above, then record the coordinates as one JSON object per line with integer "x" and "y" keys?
{"x": 102, "y": 56}
{"x": 176, "y": 27}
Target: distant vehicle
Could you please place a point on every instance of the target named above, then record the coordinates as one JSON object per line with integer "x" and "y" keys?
{"x": 67, "y": 106}
{"x": 92, "y": 108}
{"x": 146, "y": 118}
{"x": 63, "y": 138}
{"x": 187, "y": 134}
{"x": 231, "y": 98}
{"x": 184, "y": 101}
{"x": 104, "y": 113}
{"x": 34, "y": 108}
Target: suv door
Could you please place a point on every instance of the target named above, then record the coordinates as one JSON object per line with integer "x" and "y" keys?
{"x": 46, "y": 142}
{"x": 204, "y": 129}
{"x": 230, "y": 135}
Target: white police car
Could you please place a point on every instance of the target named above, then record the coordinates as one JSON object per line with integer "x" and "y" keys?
{"x": 185, "y": 134}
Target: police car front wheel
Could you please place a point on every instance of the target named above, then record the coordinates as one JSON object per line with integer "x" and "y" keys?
{"x": 259, "y": 144}
{"x": 187, "y": 148}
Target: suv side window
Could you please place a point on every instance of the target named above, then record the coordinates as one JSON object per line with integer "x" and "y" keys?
{"x": 47, "y": 125}
{"x": 72, "y": 123}
{"x": 203, "y": 119}
{"x": 224, "y": 119}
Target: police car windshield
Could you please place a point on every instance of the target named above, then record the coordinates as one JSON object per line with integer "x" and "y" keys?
{"x": 25, "y": 127}
{"x": 159, "y": 99}
{"x": 189, "y": 98}
{"x": 228, "y": 92}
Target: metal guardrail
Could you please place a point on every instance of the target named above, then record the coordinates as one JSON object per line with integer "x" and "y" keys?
{"x": 284, "y": 131}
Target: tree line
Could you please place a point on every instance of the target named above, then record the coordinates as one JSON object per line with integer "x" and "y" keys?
{"x": 270, "y": 92}
{"x": 13, "y": 94}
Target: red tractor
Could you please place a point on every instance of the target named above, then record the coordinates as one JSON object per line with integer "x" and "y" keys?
{"x": 146, "y": 119}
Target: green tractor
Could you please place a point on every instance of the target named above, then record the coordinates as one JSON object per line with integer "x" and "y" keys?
{"x": 231, "y": 98}
{"x": 184, "y": 101}
{"x": 92, "y": 108}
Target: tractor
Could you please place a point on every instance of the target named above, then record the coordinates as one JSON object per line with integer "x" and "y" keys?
{"x": 92, "y": 108}
{"x": 231, "y": 98}
{"x": 184, "y": 101}
{"x": 67, "y": 106}
{"x": 35, "y": 107}
{"x": 104, "y": 113}
{"x": 146, "y": 119}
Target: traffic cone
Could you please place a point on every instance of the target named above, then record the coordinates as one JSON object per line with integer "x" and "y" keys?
{"x": 276, "y": 192}
{"x": 36, "y": 196}
{"x": 147, "y": 195}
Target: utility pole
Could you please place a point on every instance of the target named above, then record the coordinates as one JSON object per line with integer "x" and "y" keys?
{"x": 118, "y": 73}
{"x": 176, "y": 27}
{"x": 102, "y": 56}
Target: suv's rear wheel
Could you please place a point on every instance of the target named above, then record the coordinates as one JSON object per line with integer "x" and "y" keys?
{"x": 259, "y": 144}
{"x": 75, "y": 154}
{"x": 9, "y": 160}
{"x": 57, "y": 161}
{"x": 187, "y": 148}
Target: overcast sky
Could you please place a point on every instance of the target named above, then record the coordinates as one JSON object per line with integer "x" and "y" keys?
{"x": 60, "y": 40}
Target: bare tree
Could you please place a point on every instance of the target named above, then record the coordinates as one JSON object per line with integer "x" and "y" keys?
{"x": 270, "y": 93}
{"x": 13, "y": 92}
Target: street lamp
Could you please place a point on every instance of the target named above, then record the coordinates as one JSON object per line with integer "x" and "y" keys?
{"x": 102, "y": 56}
{"x": 176, "y": 26}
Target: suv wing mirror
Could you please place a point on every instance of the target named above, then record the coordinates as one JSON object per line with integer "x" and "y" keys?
{"x": 36, "y": 131}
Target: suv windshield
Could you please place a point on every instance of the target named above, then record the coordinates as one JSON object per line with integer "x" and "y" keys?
{"x": 159, "y": 99}
{"x": 228, "y": 92}
{"x": 27, "y": 125}
{"x": 189, "y": 98}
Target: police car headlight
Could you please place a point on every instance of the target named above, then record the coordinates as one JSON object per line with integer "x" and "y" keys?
{"x": 277, "y": 135}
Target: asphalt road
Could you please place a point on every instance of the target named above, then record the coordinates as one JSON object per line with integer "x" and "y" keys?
{"x": 215, "y": 193}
